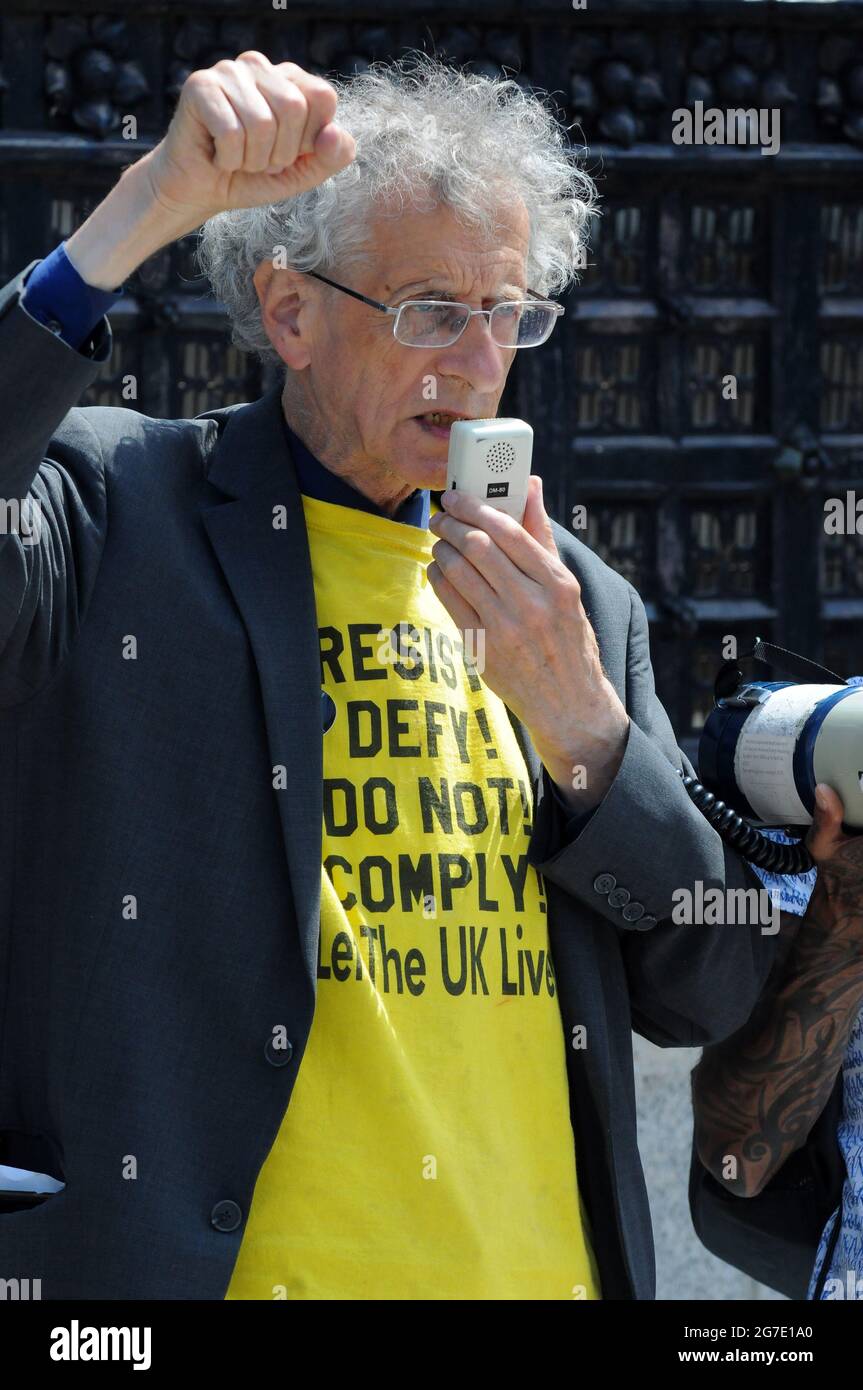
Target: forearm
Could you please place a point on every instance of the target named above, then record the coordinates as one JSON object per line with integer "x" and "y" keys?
{"x": 757, "y": 1095}
{"x": 126, "y": 228}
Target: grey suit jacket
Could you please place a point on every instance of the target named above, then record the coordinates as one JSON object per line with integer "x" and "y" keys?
{"x": 160, "y": 910}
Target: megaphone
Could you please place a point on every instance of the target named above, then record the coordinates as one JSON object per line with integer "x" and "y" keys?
{"x": 764, "y": 747}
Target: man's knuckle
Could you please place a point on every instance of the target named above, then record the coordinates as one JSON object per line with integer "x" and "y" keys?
{"x": 324, "y": 96}
{"x": 321, "y": 111}
{"x": 476, "y": 545}
{"x": 291, "y": 103}
{"x": 204, "y": 83}
{"x": 564, "y": 586}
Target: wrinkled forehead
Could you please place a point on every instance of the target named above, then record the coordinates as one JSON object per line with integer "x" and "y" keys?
{"x": 421, "y": 250}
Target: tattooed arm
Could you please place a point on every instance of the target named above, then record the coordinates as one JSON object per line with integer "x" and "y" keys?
{"x": 757, "y": 1094}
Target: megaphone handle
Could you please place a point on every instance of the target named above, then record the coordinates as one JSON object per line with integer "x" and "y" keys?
{"x": 791, "y": 664}
{"x": 806, "y": 670}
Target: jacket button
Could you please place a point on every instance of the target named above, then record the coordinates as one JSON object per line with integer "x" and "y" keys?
{"x": 619, "y": 897}
{"x": 603, "y": 883}
{"x": 278, "y": 1056}
{"x": 55, "y": 326}
{"x": 645, "y": 923}
{"x": 226, "y": 1216}
{"x": 633, "y": 911}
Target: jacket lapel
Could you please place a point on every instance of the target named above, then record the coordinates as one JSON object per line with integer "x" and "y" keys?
{"x": 268, "y": 570}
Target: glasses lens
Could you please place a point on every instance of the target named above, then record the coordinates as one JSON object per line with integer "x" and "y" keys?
{"x": 521, "y": 323}
{"x": 435, "y": 324}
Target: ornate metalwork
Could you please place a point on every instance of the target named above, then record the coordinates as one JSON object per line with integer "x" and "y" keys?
{"x": 90, "y": 79}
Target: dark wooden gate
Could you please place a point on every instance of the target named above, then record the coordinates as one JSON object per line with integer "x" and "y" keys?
{"x": 710, "y": 262}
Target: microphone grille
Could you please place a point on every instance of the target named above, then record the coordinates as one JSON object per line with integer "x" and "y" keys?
{"x": 500, "y": 456}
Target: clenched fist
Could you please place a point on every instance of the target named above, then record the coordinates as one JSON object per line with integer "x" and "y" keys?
{"x": 246, "y": 132}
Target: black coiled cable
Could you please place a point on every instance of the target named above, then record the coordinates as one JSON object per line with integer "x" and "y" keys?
{"x": 749, "y": 842}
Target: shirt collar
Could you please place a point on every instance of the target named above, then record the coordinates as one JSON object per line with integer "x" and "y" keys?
{"x": 317, "y": 481}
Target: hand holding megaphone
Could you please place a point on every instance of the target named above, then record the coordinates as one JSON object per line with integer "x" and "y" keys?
{"x": 826, "y": 840}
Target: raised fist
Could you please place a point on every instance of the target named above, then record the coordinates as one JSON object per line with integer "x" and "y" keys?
{"x": 247, "y": 132}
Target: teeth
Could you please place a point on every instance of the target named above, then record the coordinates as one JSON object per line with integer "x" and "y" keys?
{"x": 437, "y": 417}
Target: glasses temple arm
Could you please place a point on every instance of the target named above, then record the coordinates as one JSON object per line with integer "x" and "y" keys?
{"x": 355, "y": 294}
{"x": 559, "y": 309}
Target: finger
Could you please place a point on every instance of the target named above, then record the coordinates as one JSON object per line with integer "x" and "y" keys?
{"x": 461, "y": 612}
{"x": 255, "y": 114}
{"x": 536, "y": 520}
{"x": 466, "y": 580}
{"x": 321, "y": 102}
{"x": 522, "y": 548}
{"x": 209, "y": 105}
{"x": 302, "y": 106}
{"x": 480, "y": 550}
{"x": 291, "y": 111}
{"x": 825, "y": 835}
{"x": 335, "y": 148}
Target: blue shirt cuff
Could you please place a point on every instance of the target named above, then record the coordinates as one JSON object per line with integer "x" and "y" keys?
{"x": 58, "y": 297}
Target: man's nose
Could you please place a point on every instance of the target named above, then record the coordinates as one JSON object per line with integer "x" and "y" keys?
{"x": 477, "y": 357}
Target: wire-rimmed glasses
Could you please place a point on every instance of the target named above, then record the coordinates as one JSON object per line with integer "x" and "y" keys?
{"x": 428, "y": 323}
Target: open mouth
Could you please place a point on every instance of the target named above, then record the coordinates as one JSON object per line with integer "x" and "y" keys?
{"x": 438, "y": 422}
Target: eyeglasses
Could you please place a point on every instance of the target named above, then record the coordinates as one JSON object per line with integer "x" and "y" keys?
{"x": 427, "y": 323}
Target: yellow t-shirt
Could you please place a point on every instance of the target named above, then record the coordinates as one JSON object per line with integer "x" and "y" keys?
{"x": 427, "y": 1151}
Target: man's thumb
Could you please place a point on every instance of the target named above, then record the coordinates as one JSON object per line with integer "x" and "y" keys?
{"x": 536, "y": 520}
{"x": 334, "y": 145}
{"x": 825, "y": 835}
{"x": 335, "y": 148}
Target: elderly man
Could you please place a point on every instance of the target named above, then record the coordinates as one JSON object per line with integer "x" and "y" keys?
{"x": 287, "y": 738}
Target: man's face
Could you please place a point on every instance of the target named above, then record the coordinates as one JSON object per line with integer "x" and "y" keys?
{"x": 362, "y": 391}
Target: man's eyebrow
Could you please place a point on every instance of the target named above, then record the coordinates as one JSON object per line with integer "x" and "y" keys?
{"x": 409, "y": 285}
{"x": 430, "y": 291}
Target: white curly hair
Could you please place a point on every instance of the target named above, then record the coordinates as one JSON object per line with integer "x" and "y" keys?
{"x": 426, "y": 133}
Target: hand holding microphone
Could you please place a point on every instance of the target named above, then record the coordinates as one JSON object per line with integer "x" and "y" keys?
{"x": 504, "y": 576}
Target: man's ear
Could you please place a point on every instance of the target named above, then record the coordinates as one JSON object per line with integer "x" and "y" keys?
{"x": 281, "y": 302}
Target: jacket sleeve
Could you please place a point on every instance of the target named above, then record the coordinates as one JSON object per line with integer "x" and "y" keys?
{"x": 690, "y": 985}
{"x": 53, "y": 496}
{"x": 566, "y": 825}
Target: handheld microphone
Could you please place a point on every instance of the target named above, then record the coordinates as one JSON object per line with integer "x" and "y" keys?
{"x": 490, "y": 460}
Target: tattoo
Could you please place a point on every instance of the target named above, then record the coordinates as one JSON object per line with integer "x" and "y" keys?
{"x": 757, "y": 1094}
